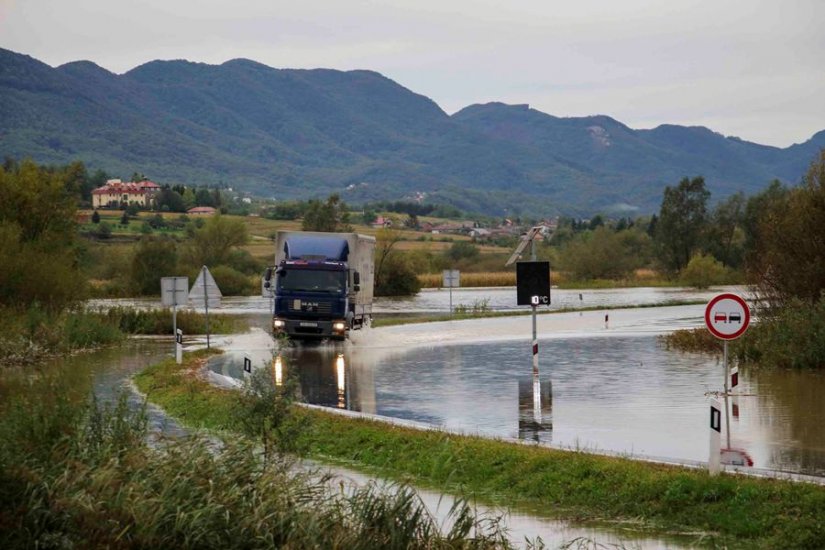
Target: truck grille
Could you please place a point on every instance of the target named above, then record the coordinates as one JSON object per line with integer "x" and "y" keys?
{"x": 310, "y": 306}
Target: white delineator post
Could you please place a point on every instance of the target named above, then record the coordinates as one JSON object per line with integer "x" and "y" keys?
{"x": 714, "y": 457}
{"x": 535, "y": 301}
{"x": 178, "y": 346}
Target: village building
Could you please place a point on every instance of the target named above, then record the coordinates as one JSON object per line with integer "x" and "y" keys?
{"x": 116, "y": 194}
{"x": 381, "y": 222}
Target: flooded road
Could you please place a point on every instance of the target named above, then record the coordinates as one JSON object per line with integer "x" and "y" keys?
{"x": 614, "y": 389}
{"x": 604, "y": 387}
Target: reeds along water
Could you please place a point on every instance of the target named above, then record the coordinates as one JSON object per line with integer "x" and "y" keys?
{"x": 75, "y": 472}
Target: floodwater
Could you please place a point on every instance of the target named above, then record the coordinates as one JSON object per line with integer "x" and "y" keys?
{"x": 110, "y": 371}
{"x": 612, "y": 388}
{"x": 496, "y": 299}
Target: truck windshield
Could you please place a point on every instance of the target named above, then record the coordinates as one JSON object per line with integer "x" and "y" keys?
{"x": 312, "y": 281}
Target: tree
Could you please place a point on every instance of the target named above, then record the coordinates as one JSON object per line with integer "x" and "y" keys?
{"x": 725, "y": 239}
{"x": 394, "y": 272}
{"x": 369, "y": 217}
{"x": 790, "y": 255}
{"x": 681, "y": 224}
{"x": 169, "y": 201}
{"x": 462, "y": 250}
{"x": 330, "y": 216}
{"x": 38, "y": 255}
{"x": 212, "y": 244}
{"x": 154, "y": 258}
{"x": 604, "y": 254}
{"x": 397, "y": 277}
{"x": 204, "y": 198}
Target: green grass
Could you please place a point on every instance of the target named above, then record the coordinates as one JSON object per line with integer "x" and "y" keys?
{"x": 727, "y": 510}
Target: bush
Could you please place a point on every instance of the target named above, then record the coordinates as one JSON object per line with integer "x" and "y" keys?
{"x": 462, "y": 250}
{"x": 241, "y": 260}
{"x": 704, "y": 271}
{"x": 397, "y": 277}
{"x": 154, "y": 258}
{"x": 233, "y": 282}
{"x": 103, "y": 231}
{"x": 791, "y": 338}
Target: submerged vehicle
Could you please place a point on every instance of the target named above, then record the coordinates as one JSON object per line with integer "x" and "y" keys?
{"x": 322, "y": 284}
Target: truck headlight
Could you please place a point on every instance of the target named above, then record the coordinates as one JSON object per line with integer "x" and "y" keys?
{"x": 278, "y": 323}
{"x": 339, "y": 326}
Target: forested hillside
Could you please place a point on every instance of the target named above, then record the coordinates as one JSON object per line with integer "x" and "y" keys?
{"x": 300, "y": 133}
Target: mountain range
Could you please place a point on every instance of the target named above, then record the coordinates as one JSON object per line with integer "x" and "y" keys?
{"x": 288, "y": 133}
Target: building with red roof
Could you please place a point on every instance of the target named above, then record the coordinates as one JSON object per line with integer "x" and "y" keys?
{"x": 117, "y": 193}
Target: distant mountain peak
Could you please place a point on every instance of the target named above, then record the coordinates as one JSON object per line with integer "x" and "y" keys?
{"x": 298, "y": 133}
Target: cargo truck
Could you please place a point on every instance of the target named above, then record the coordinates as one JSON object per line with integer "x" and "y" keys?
{"x": 322, "y": 284}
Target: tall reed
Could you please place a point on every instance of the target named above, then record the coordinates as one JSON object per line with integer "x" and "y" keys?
{"x": 78, "y": 473}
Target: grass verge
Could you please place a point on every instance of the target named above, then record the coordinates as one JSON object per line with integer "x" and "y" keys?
{"x": 727, "y": 510}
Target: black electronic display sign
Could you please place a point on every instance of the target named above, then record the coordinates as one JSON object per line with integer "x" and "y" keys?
{"x": 533, "y": 279}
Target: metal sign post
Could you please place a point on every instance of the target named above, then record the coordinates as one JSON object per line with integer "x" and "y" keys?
{"x": 174, "y": 291}
{"x": 205, "y": 290}
{"x": 452, "y": 278}
{"x": 727, "y": 317}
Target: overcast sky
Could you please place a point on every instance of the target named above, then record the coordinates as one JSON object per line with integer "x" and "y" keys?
{"x": 748, "y": 68}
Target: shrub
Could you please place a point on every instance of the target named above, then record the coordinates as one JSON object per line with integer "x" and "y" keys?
{"x": 103, "y": 231}
{"x": 154, "y": 258}
{"x": 793, "y": 337}
{"x": 233, "y": 282}
{"x": 704, "y": 271}
{"x": 397, "y": 277}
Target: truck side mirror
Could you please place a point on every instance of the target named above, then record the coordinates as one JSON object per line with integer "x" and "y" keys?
{"x": 268, "y": 274}
{"x": 356, "y": 279}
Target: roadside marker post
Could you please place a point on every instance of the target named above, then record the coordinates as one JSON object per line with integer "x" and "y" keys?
{"x": 178, "y": 346}
{"x": 727, "y": 317}
{"x": 247, "y": 363}
{"x": 714, "y": 457}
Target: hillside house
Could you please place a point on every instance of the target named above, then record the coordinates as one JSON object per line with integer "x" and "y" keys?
{"x": 117, "y": 193}
{"x": 381, "y": 222}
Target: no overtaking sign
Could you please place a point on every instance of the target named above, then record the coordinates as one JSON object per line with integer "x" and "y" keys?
{"x": 727, "y": 316}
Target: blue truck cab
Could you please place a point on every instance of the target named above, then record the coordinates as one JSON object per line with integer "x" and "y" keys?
{"x": 322, "y": 284}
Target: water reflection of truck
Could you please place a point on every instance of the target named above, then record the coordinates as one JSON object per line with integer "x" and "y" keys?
{"x": 322, "y": 284}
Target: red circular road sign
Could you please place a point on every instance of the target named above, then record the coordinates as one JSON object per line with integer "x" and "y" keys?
{"x": 727, "y": 316}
